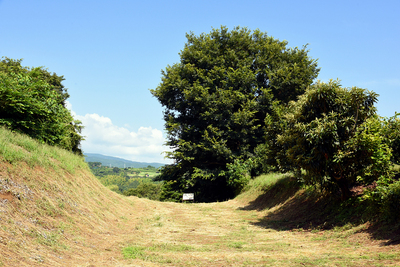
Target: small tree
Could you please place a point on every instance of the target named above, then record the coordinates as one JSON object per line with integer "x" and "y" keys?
{"x": 330, "y": 136}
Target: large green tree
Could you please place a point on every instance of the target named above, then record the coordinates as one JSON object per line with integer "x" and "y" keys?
{"x": 334, "y": 136}
{"x": 32, "y": 101}
{"x": 216, "y": 100}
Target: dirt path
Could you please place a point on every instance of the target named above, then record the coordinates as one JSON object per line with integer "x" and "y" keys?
{"x": 140, "y": 232}
{"x": 222, "y": 234}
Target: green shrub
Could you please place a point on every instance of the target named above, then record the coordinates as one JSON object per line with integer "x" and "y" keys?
{"x": 146, "y": 190}
{"x": 391, "y": 202}
{"x": 385, "y": 200}
{"x": 237, "y": 175}
{"x": 334, "y": 135}
{"x": 32, "y": 102}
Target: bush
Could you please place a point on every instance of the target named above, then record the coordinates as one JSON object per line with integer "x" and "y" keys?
{"x": 114, "y": 188}
{"x": 146, "y": 190}
{"x": 391, "y": 131}
{"x": 384, "y": 201}
{"x": 237, "y": 175}
{"x": 333, "y": 135}
{"x": 32, "y": 102}
{"x": 391, "y": 202}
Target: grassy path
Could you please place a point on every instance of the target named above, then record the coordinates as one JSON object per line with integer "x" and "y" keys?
{"x": 223, "y": 234}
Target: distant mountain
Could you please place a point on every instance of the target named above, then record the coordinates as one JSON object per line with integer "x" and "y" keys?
{"x": 117, "y": 162}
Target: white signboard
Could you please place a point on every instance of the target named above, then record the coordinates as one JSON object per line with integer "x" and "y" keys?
{"x": 188, "y": 196}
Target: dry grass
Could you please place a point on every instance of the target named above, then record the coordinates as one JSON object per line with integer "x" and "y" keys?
{"x": 53, "y": 219}
{"x": 62, "y": 216}
{"x": 226, "y": 234}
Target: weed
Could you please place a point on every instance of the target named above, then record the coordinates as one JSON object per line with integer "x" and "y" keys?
{"x": 159, "y": 224}
{"x": 60, "y": 204}
{"x": 388, "y": 256}
{"x": 319, "y": 238}
{"x": 134, "y": 252}
{"x": 47, "y": 238}
{"x": 166, "y": 247}
{"x": 238, "y": 245}
{"x": 281, "y": 244}
{"x": 46, "y": 207}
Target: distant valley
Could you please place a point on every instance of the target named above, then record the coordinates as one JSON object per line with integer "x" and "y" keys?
{"x": 118, "y": 162}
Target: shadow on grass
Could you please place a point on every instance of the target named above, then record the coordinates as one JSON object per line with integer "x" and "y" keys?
{"x": 275, "y": 194}
{"x": 292, "y": 207}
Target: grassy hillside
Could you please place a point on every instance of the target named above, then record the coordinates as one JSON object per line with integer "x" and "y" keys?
{"x": 52, "y": 209}
{"x": 54, "y": 212}
{"x": 291, "y": 205}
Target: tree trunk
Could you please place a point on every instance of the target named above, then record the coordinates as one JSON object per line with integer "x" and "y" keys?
{"x": 344, "y": 188}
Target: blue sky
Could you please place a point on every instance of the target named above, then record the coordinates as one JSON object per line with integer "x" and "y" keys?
{"x": 112, "y": 52}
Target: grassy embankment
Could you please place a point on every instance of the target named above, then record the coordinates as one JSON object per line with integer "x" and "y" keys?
{"x": 54, "y": 212}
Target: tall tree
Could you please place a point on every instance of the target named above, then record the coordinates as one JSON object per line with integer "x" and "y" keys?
{"x": 216, "y": 100}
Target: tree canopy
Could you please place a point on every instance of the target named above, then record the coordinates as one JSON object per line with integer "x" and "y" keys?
{"x": 216, "y": 100}
{"x": 32, "y": 101}
{"x": 334, "y": 136}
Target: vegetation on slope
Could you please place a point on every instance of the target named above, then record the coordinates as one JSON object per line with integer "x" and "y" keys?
{"x": 32, "y": 101}
{"x": 51, "y": 206}
{"x": 291, "y": 204}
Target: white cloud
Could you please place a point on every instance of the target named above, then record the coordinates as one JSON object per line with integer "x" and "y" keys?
{"x": 103, "y": 137}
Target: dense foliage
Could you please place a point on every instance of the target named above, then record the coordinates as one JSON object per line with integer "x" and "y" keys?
{"x": 145, "y": 190}
{"x": 332, "y": 135}
{"x": 391, "y": 132}
{"x": 216, "y": 100}
{"x": 32, "y": 101}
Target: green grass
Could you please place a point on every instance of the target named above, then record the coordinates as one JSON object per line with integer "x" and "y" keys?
{"x": 262, "y": 183}
{"x": 237, "y": 245}
{"x": 388, "y": 256}
{"x": 153, "y": 253}
{"x": 16, "y": 148}
{"x": 134, "y": 252}
{"x": 137, "y": 251}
